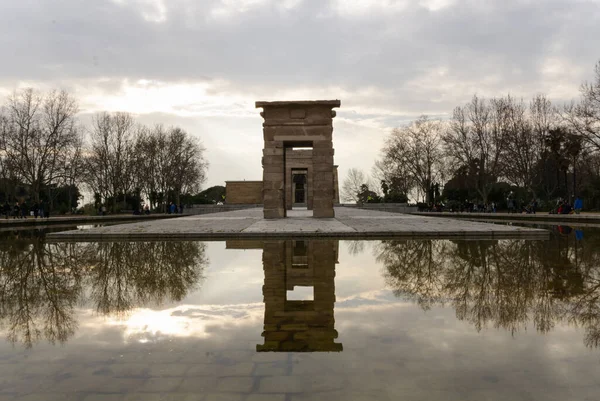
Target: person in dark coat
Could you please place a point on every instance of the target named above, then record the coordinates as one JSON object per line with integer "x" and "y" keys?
{"x": 6, "y": 209}
{"x": 44, "y": 212}
{"x": 578, "y": 205}
{"x": 16, "y": 211}
{"x": 36, "y": 210}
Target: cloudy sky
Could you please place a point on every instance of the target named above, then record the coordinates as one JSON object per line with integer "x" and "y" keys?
{"x": 202, "y": 64}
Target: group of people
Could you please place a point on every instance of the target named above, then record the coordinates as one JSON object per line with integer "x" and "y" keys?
{"x": 145, "y": 209}
{"x": 515, "y": 206}
{"x": 173, "y": 209}
{"x": 564, "y": 207}
{"x": 472, "y": 207}
{"x": 520, "y": 206}
{"x": 22, "y": 210}
{"x": 485, "y": 207}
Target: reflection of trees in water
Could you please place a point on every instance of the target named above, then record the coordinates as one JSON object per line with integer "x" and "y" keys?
{"x": 39, "y": 288}
{"x": 355, "y": 247}
{"x": 41, "y": 283}
{"x": 501, "y": 283}
{"x": 421, "y": 278}
{"x": 125, "y": 275}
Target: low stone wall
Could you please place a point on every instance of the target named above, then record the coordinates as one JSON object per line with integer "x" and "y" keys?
{"x": 389, "y": 207}
{"x": 205, "y": 209}
{"x": 243, "y": 192}
{"x": 80, "y": 220}
{"x": 558, "y": 219}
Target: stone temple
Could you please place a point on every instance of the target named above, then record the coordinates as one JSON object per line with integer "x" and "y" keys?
{"x": 298, "y": 169}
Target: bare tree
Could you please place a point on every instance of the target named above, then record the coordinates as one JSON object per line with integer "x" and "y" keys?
{"x": 152, "y": 163}
{"x": 39, "y": 131}
{"x": 6, "y": 173}
{"x": 417, "y": 148}
{"x": 393, "y": 169}
{"x": 352, "y": 184}
{"x": 170, "y": 162}
{"x": 74, "y": 167}
{"x": 476, "y": 138}
{"x": 583, "y": 117}
{"x": 109, "y": 161}
{"x": 188, "y": 167}
{"x": 544, "y": 116}
{"x": 525, "y": 135}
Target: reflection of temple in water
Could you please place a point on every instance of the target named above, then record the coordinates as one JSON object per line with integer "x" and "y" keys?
{"x": 299, "y": 325}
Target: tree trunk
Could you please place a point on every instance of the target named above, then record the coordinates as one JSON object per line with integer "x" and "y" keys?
{"x": 51, "y": 200}
{"x": 568, "y": 196}
{"x": 558, "y": 178}
{"x": 574, "y": 179}
{"x": 36, "y": 191}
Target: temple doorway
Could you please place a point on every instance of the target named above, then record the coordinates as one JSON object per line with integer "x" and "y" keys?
{"x": 299, "y": 188}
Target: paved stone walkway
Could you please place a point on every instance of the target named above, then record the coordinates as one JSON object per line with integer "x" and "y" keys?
{"x": 348, "y": 223}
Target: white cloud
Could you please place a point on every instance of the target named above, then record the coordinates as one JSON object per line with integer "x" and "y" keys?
{"x": 367, "y": 8}
{"x": 201, "y": 99}
{"x": 229, "y": 8}
{"x": 436, "y": 5}
{"x": 151, "y": 10}
{"x": 203, "y": 64}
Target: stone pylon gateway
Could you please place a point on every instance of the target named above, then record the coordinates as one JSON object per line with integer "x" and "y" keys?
{"x": 297, "y": 125}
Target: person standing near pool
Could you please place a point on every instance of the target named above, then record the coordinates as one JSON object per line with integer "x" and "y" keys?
{"x": 7, "y": 209}
{"x": 578, "y": 206}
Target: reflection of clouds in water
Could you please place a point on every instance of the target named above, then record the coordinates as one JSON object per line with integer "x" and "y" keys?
{"x": 367, "y": 298}
{"x": 147, "y": 325}
{"x": 453, "y": 355}
{"x": 203, "y": 321}
{"x": 217, "y": 311}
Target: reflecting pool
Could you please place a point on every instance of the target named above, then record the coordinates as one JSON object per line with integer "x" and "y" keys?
{"x": 301, "y": 319}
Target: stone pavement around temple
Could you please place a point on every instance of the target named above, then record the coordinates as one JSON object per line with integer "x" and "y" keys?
{"x": 347, "y": 223}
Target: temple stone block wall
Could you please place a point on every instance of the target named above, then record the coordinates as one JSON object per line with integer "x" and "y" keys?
{"x": 243, "y": 244}
{"x": 243, "y": 192}
{"x": 298, "y": 124}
